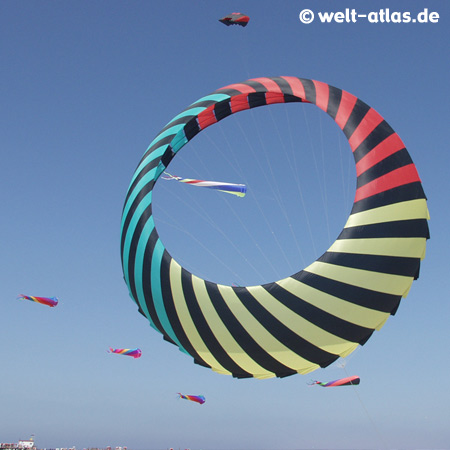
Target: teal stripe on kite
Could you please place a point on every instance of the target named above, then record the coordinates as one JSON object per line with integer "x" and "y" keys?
{"x": 138, "y": 269}
{"x": 158, "y": 301}
{"x": 159, "y": 170}
{"x": 212, "y": 97}
{"x": 188, "y": 112}
{"x": 172, "y": 130}
{"x": 143, "y": 204}
{"x": 179, "y": 141}
{"x": 148, "y": 159}
{"x": 147, "y": 178}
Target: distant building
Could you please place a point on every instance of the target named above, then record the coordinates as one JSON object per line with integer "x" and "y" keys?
{"x": 23, "y": 444}
{"x": 26, "y": 444}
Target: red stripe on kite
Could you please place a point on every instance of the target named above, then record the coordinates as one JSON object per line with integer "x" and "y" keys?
{"x": 274, "y": 97}
{"x": 244, "y": 88}
{"x": 370, "y": 121}
{"x": 207, "y": 117}
{"x": 398, "y": 177}
{"x": 388, "y": 147}
{"x": 239, "y": 103}
{"x": 346, "y": 106}
{"x": 297, "y": 87}
{"x": 322, "y": 95}
{"x": 270, "y": 85}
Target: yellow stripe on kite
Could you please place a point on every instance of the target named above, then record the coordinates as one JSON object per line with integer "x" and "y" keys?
{"x": 344, "y": 310}
{"x": 186, "y": 320}
{"x": 222, "y": 334}
{"x": 379, "y": 282}
{"x": 412, "y": 209}
{"x": 299, "y": 325}
{"x": 262, "y": 336}
{"x": 404, "y": 247}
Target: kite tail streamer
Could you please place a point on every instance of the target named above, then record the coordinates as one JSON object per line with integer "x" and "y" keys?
{"x": 230, "y": 188}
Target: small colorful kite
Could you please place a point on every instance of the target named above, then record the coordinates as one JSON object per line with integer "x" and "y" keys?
{"x": 235, "y": 18}
{"x": 348, "y": 381}
{"x": 230, "y": 188}
{"x": 193, "y": 398}
{"x": 52, "y": 302}
{"x": 135, "y": 352}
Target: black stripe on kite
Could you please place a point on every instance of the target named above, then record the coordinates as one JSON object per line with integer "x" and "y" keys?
{"x": 148, "y": 211}
{"x": 357, "y": 115}
{"x": 322, "y": 319}
{"x": 222, "y": 110}
{"x": 283, "y": 334}
{"x": 203, "y": 328}
{"x": 191, "y": 128}
{"x": 201, "y": 104}
{"x": 335, "y": 97}
{"x": 172, "y": 313}
{"x": 146, "y": 278}
{"x": 378, "y": 301}
{"x": 387, "y": 165}
{"x": 392, "y": 265}
{"x": 292, "y": 99}
{"x": 310, "y": 90}
{"x": 167, "y": 156}
{"x": 283, "y": 85}
{"x": 397, "y": 229}
{"x": 257, "y": 99}
{"x": 410, "y": 191}
{"x": 257, "y": 86}
{"x": 241, "y": 335}
{"x": 231, "y": 92}
{"x": 381, "y": 132}
{"x": 149, "y": 166}
{"x": 179, "y": 121}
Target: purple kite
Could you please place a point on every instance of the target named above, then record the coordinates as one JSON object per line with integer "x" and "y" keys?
{"x": 135, "y": 352}
{"x": 348, "y": 381}
{"x": 52, "y": 302}
{"x": 193, "y": 398}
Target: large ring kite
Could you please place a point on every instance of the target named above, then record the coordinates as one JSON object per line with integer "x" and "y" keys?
{"x": 311, "y": 318}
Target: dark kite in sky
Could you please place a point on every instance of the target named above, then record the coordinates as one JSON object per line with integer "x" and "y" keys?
{"x": 235, "y": 19}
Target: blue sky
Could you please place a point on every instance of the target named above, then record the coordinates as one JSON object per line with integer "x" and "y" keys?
{"x": 85, "y": 87}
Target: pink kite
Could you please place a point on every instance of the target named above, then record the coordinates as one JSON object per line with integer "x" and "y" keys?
{"x": 135, "y": 352}
{"x": 348, "y": 381}
{"x": 52, "y": 302}
{"x": 193, "y": 398}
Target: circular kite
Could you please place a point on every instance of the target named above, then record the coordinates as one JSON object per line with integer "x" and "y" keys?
{"x": 313, "y": 317}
